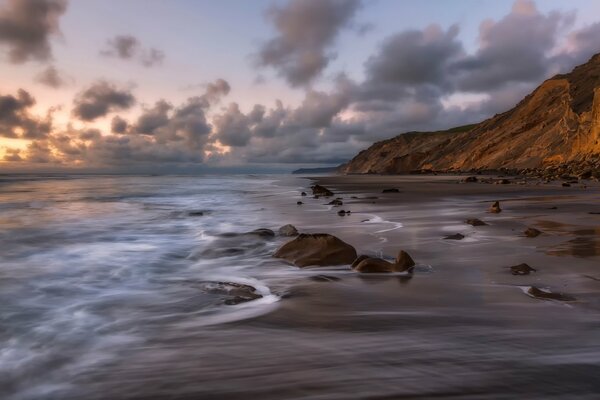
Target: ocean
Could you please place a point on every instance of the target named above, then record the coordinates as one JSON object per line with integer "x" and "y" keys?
{"x": 155, "y": 287}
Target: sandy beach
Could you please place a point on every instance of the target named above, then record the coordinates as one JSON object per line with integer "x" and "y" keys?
{"x": 147, "y": 319}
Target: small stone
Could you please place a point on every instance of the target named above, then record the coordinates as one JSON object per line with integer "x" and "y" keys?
{"x": 566, "y": 184}
{"x": 456, "y": 236}
{"x": 391, "y": 190}
{"x": 521, "y": 269}
{"x": 547, "y": 295}
{"x": 299, "y": 203}
{"x": 475, "y": 222}
{"x": 495, "y": 208}
{"x": 470, "y": 179}
{"x": 404, "y": 261}
{"x": 532, "y": 232}
{"x": 303, "y": 194}
{"x": 336, "y": 202}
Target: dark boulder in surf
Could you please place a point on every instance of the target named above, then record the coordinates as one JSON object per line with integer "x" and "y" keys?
{"x": 522, "y": 269}
{"x": 403, "y": 263}
{"x": 318, "y": 249}
{"x": 288, "y": 230}
{"x": 319, "y": 190}
{"x": 475, "y": 222}
{"x": 547, "y": 295}
{"x": 456, "y": 236}
{"x": 262, "y": 232}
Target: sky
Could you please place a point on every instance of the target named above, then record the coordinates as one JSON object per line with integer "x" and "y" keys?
{"x": 192, "y": 85}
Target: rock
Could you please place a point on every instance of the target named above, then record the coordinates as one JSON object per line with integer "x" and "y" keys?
{"x": 262, "y": 232}
{"x": 547, "y": 295}
{"x": 341, "y": 213}
{"x": 392, "y": 190}
{"x": 532, "y": 232}
{"x": 358, "y": 260}
{"x": 288, "y": 230}
{"x": 521, "y": 269}
{"x": 336, "y": 202}
{"x": 470, "y": 179}
{"x": 404, "y": 261}
{"x": 475, "y": 222}
{"x": 239, "y": 293}
{"x": 324, "y": 278}
{"x": 317, "y": 249}
{"x": 366, "y": 264}
{"x": 502, "y": 182}
{"x": 566, "y": 184}
{"x": 303, "y": 194}
{"x": 495, "y": 208}
{"x": 319, "y": 190}
{"x": 196, "y": 213}
{"x": 456, "y": 236}
{"x": 299, "y": 203}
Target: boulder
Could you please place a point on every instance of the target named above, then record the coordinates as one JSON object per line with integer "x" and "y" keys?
{"x": 237, "y": 292}
{"x": 365, "y": 264}
{"x": 456, "y": 236}
{"x": 495, "y": 208}
{"x": 475, "y": 222}
{"x": 262, "y": 232}
{"x": 532, "y": 232}
{"x": 521, "y": 269}
{"x": 288, "y": 230}
{"x": 318, "y": 249}
{"x": 319, "y": 190}
{"x": 547, "y": 295}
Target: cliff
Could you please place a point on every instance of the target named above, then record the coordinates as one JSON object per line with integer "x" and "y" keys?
{"x": 558, "y": 122}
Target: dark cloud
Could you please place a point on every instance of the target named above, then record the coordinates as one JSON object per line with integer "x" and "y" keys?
{"x": 153, "y": 118}
{"x": 51, "y": 77}
{"x": 233, "y": 127}
{"x": 26, "y": 27}
{"x": 118, "y": 125}
{"x": 306, "y": 31}
{"x": 16, "y": 121}
{"x": 128, "y": 47}
{"x": 514, "y": 49}
{"x": 415, "y": 57}
{"x": 100, "y": 99}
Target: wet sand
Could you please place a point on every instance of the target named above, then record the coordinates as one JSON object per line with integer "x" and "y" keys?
{"x": 461, "y": 328}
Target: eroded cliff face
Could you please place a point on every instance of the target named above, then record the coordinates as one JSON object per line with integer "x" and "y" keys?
{"x": 558, "y": 122}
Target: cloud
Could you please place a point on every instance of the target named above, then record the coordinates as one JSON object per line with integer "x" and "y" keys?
{"x": 16, "y": 121}
{"x": 128, "y": 47}
{"x": 118, "y": 125}
{"x": 514, "y": 49}
{"x": 415, "y": 57}
{"x": 306, "y": 31}
{"x": 153, "y": 118}
{"x": 100, "y": 99}
{"x": 26, "y": 27}
{"x": 51, "y": 77}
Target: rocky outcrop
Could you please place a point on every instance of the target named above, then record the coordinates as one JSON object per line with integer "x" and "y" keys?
{"x": 557, "y": 123}
{"x": 318, "y": 249}
{"x": 365, "y": 264}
